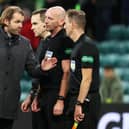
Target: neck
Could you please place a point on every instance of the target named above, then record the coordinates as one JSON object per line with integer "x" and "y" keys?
{"x": 6, "y": 30}
{"x": 55, "y": 31}
{"x": 76, "y": 35}
{"x": 45, "y": 34}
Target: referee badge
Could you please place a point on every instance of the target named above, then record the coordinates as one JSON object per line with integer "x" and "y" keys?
{"x": 48, "y": 54}
{"x": 73, "y": 65}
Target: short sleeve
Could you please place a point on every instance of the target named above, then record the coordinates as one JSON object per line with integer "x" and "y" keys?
{"x": 88, "y": 56}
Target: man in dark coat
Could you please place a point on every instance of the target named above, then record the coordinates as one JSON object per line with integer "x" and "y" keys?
{"x": 16, "y": 55}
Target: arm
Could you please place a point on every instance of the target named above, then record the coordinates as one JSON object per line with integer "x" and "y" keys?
{"x": 26, "y": 104}
{"x": 59, "y": 106}
{"x": 34, "y": 68}
{"x": 84, "y": 88}
{"x": 85, "y": 84}
{"x": 117, "y": 97}
{"x": 65, "y": 77}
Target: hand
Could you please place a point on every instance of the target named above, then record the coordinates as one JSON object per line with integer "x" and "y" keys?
{"x": 35, "y": 105}
{"x": 25, "y": 106}
{"x": 58, "y": 107}
{"x": 78, "y": 115}
{"x": 48, "y": 63}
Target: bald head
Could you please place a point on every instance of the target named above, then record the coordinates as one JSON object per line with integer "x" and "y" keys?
{"x": 57, "y": 12}
{"x": 54, "y": 19}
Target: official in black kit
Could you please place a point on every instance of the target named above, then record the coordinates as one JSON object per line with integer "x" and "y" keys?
{"x": 55, "y": 84}
{"x": 59, "y": 47}
{"x": 83, "y": 95}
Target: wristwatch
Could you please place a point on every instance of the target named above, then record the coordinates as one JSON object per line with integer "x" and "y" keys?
{"x": 59, "y": 97}
{"x": 79, "y": 103}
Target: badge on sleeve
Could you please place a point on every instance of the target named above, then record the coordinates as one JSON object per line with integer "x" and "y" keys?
{"x": 87, "y": 59}
{"x": 73, "y": 65}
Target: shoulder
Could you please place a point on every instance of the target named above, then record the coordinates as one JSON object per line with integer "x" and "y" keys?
{"x": 88, "y": 45}
{"x": 24, "y": 40}
{"x": 90, "y": 42}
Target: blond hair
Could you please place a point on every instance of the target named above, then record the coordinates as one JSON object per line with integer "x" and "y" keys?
{"x": 78, "y": 16}
{"x": 8, "y": 13}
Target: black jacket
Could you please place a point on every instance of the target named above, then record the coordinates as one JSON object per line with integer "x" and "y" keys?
{"x": 16, "y": 55}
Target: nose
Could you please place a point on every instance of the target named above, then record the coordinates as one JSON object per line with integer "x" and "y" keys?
{"x": 32, "y": 27}
{"x": 20, "y": 25}
{"x": 46, "y": 20}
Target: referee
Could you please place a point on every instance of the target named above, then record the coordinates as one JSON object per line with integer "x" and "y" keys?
{"x": 83, "y": 95}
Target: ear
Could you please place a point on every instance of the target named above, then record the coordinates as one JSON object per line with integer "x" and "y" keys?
{"x": 6, "y": 22}
{"x": 74, "y": 24}
{"x": 61, "y": 22}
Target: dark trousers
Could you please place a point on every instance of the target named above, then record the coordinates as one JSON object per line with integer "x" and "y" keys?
{"x": 6, "y": 123}
{"x": 47, "y": 102}
{"x": 37, "y": 120}
{"x": 91, "y": 110}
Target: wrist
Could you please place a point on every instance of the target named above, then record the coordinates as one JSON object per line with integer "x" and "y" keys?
{"x": 32, "y": 92}
{"x": 59, "y": 97}
{"x": 79, "y": 103}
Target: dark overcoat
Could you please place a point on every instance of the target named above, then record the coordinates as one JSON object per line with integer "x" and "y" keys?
{"x": 16, "y": 55}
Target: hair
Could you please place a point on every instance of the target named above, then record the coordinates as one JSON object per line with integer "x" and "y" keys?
{"x": 109, "y": 67}
{"x": 78, "y": 16}
{"x": 8, "y": 13}
{"x": 41, "y": 12}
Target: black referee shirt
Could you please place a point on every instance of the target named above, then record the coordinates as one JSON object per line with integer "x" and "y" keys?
{"x": 59, "y": 46}
{"x": 84, "y": 55}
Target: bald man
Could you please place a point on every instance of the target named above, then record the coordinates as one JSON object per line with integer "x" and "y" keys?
{"x": 54, "y": 86}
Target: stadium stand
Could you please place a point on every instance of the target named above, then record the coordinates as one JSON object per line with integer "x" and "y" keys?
{"x": 114, "y": 51}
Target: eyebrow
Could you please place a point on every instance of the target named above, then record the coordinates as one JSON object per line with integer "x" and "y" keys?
{"x": 49, "y": 17}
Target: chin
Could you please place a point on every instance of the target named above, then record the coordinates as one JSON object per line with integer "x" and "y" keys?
{"x": 15, "y": 33}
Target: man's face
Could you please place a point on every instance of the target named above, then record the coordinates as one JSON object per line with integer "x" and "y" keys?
{"x": 51, "y": 20}
{"x": 68, "y": 26}
{"x": 108, "y": 73}
{"x": 38, "y": 26}
{"x": 15, "y": 24}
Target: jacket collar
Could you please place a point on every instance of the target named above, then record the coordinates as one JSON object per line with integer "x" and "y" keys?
{"x": 14, "y": 38}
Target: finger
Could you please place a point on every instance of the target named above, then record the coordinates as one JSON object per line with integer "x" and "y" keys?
{"x": 54, "y": 65}
{"x": 21, "y": 107}
{"x": 36, "y": 110}
{"x": 79, "y": 117}
{"x": 32, "y": 107}
{"x": 25, "y": 109}
{"x": 54, "y": 59}
{"x": 57, "y": 112}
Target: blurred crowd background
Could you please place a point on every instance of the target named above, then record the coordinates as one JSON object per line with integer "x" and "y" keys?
{"x": 108, "y": 25}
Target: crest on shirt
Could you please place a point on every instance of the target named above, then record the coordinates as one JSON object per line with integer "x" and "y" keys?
{"x": 48, "y": 54}
{"x": 73, "y": 65}
{"x": 68, "y": 51}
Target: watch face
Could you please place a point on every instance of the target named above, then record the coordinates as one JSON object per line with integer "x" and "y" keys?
{"x": 48, "y": 54}
{"x": 73, "y": 65}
